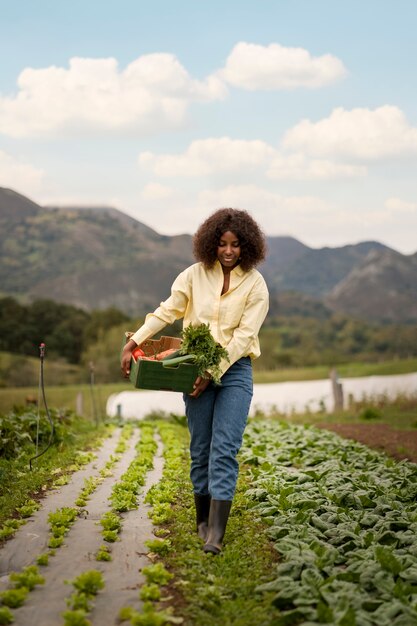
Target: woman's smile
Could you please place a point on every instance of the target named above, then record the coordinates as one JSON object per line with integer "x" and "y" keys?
{"x": 228, "y": 250}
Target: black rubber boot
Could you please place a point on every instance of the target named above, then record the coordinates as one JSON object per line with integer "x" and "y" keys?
{"x": 219, "y": 514}
{"x": 202, "y": 509}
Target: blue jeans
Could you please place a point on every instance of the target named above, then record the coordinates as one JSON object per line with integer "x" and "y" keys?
{"x": 216, "y": 421}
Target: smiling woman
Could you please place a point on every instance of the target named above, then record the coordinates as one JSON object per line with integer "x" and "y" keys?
{"x": 225, "y": 292}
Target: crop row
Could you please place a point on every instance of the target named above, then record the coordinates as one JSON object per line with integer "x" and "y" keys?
{"x": 123, "y": 497}
{"x": 343, "y": 519}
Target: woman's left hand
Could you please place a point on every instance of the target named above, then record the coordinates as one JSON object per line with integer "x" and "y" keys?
{"x": 200, "y": 385}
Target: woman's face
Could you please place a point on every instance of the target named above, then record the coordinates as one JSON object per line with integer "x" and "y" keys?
{"x": 228, "y": 250}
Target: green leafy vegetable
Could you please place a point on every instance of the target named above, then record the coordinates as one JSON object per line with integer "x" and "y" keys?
{"x": 6, "y": 616}
{"x": 198, "y": 341}
{"x": 342, "y": 518}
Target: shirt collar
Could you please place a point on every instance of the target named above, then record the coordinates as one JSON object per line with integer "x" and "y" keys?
{"x": 236, "y": 270}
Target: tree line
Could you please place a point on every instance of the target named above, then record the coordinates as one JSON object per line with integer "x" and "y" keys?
{"x": 79, "y": 336}
{"x": 66, "y": 330}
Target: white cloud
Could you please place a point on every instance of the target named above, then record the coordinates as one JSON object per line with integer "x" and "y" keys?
{"x": 155, "y": 191}
{"x": 253, "y": 197}
{"x": 93, "y": 95}
{"x": 238, "y": 157}
{"x": 209, "y": 156}
{"x": 151, "y": 94}
{"x": 398, "y": 205}
{"x": 298, "y": 167}
{"x": 359, "y": 134}
{"x": 19, "y": 176}
{"x": 252, "y": 67}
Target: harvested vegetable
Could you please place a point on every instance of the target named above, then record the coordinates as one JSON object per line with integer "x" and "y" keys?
{"x": 137, "y": 353}
{"x": 199, "y": 342}
{"x": 166, "y": 354}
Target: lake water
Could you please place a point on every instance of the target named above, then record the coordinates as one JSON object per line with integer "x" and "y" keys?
{"x": 283, "y": 397}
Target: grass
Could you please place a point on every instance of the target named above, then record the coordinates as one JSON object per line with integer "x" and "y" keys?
{"x": 210, "y": 590}
{"x": 346, "y": 370}
{"x": 63, "y": 397}
{"x": 15, "y": 367}
{"x": 400, "y": 413}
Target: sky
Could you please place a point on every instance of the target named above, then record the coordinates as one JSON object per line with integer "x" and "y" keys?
{"x": 302, "y": 112}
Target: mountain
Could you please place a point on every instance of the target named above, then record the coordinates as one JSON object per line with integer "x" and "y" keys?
{"x": 316, "y": 272}
{"x": 382, "y": 287}
{"x": 15, "y": 207}
{"x": 91, "y": 258}
{"x": 97, "y": 257}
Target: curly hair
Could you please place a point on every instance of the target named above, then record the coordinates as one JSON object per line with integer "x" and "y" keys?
{"x": 250, "y": 235}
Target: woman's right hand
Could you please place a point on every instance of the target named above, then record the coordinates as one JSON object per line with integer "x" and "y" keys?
{"x": 200, "y": 385}
{"x": 126, "y": 357}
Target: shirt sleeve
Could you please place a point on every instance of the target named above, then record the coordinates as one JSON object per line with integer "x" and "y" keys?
{"x": 170, "y": 310}
{"x": 246, "y": 333}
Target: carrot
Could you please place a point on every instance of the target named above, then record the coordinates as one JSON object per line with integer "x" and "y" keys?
{"x": 165, "y": 354}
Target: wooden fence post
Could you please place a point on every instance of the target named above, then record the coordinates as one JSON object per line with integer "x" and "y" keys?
{"x": 79, "y": 404}
{"x": 337, "y": 390}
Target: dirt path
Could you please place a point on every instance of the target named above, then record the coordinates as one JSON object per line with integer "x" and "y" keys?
{"x": 46, "y": 603}
{"x": 400, "y": 444}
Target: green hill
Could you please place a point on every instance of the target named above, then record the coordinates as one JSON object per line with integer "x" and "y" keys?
{"x": 99, "y": 257}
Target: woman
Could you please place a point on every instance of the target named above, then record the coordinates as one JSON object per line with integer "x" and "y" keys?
{"x": 223, "y": 289}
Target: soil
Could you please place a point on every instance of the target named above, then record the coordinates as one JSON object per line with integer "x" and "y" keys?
{"x": 122, "y": 575}
{"x": 399, "y": 444}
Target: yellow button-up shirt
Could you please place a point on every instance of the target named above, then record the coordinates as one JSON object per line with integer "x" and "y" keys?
{"x": 235, "y": 317}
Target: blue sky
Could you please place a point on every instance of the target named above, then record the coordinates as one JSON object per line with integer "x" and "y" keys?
{"x": 302, "y": 112}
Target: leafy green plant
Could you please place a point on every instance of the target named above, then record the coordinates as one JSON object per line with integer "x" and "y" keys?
{"x": 17, "y": 484}
{"x": 159, "y": 546}
{"x": 103, "y": 553}
{"x": 6, "y": 616}
{"x": 14, "y": 598}
{"x": 9, "y": 528}
{"x": 28, "y": 578}
{"x": 61, "y": 481}
{"x": 79, "y": 600}
{"x": 55, "y": 542}
{"x": 90, "y": 484}
{"x": 370, "y": 413}
{"x": 149, "y": 616}
{"x": 28, "y": 508}
{"x": 89, "y": 582}
{"x": 86, "y": 585}
{"x": 126, "y": 613}
{"x": 43, "y": 559}
{"x": 124, "y": 494}
{"x": 111, "y": 521}
{"x": 157, "y": 573}
{"x": 77, "y": 617}
{"x": 110, "y": 535}
{"x": 161, "y": 513}
{"x": 198, "y": 341}
{"x": 61, "y": 520}
{"x": 342, "y": 517}
{"x": 150, "y": 592}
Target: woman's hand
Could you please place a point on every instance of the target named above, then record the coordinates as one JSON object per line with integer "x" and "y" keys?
{"x": 201, "y": 383}
{"x": 126, "y": 357}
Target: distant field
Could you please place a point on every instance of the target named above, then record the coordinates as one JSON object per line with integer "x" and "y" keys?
{"x": 62, "y": 397}
{"x": 65, "y": 396}
{"x": 348, "y": 370}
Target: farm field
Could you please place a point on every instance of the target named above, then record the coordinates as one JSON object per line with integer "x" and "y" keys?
{"x": 322, "y": 530}
{"x": 65, "y": 396}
